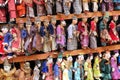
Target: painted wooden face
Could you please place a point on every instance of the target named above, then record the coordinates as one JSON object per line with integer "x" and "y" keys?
{"x": 7, "y": 68}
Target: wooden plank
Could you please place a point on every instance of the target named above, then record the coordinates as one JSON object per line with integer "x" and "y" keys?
{"x": 82, "y": 15}
{"x": 72, "y": 53}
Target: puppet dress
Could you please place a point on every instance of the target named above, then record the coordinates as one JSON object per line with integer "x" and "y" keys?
{"x": 59, "y": 6}
{"x": 77, "y": 6}
{"x": 77, "y": 71}
{"x": 1, "y": 46}
{"x": 50, "y": 71}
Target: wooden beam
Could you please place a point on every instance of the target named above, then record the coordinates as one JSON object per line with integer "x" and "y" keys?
{"x": 82, "y": 15}
{"x": 72, "y": 53}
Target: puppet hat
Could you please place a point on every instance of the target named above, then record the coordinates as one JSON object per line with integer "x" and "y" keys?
{"x": 6, "y": 63}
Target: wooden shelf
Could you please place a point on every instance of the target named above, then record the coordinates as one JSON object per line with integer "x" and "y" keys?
{"x": 82, "y": 15}
{"x": 72, "y": 53}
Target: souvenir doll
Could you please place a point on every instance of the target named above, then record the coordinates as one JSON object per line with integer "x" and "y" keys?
{"x": 7, "y": 72}
{"x": 85, "y": 5}
{"x": 116, "y": 4}
{"x": 59, "y": 6}
{"x": 105, "y": 66}
{"x": 52, "y": 32}
{"x": 96, "y": 67}
{"x": 36, "y": 72}
{"x": 27, "y": 71}
{"x": 107, "y": 5}
{"x": 49, "y": 6}
{"x": 77, "y": 4}
{"x": 104, "y": 35}
{"x": 115, "y": 72}
{"x": 93, "y": 33}
{"x": 57, "y": 68}
{"x": 20, "y": 8}
{"x": 40, "y": 7}
{"x": 113, "y": 32}
{"x": 88, "y": 69}
{"x": 29, "y": 8}
{"x": 44, "y": 32}
{"x": 7, "y": 41}
{"x": 72, "y": 35}
{"x": 61, "y": 35}
{"x": 67, "y": 6}
{"x": 83, "y": 30}
{"x": 95, "y": 5}
{"x": 37, "y": 38}
{"x": 2, "y": 11}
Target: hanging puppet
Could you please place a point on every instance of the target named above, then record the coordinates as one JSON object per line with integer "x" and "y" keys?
{"x": 67, "y": 6}
{"x": 83, "y": 30}
{"x": 59, "y": 6}
{"x": 72, "y": 35}
{"x": 44, "y": 32}
{"x": 52, "y": 33}
{"x": 7, "y": 71}
{"x": 77, "y": 5}
{"x": 85, "y": 5}
{"x": 61, "y": 35}
{"x": 49, "y": 6}
{"x": 40, "y": 7}
{"x": 95, "y": 5}
{"x": 20, "y": 8}
{"x": 104, "y": 35}
{"x": 93, "y": 33}
{"x": 57, "y": 68}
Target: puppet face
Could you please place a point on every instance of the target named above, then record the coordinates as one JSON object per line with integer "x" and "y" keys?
{"x": 39, "y": 65}
{"x": 63, "y": 23}
{"x": 50, "y": 60}
{"x": 75, "y": 21}
{"x": 96, "y": 19}
{"x": 7, "y": 68}
{"x": 116, "y": 54}
{"x": 115, "y": 18}
{"x": 91, "y": 57}
{"x": 37, "y": 24}
{"x": 4, "y": 30}
{"x": 81, "y": 57}
{"x": 53, "y": 22}
{"x": 46, "y": 23}
{"x": 84, "y": 20}
{"x": 60, "y": 60}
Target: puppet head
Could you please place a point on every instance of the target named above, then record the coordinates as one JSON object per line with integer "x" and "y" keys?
{"x": 37, "y": 22}
{"x": 7, "y": 66}
{"x": 28, "y": 23}
{"x": 38, "y": 64}
{"x": 81, "y": 57}
{"x": 59, "y": 59}
{"x": 50, "y": 59}
{"x": 4, "y": 29}
{"x": 84, "y": 19}
{"x": 63, "y": 23}
{"x": 106, "y": 17}
{"x": 21, "y": 24}
{"x": 46, "y": 23}
{"x": 27, "y": 65}
{"x": 115, "y": 18}
{"x": 74, "y": 20}
{"x": 116, "y": 53}
{"x": 53, "y": 21}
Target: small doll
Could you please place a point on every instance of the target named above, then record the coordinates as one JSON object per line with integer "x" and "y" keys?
{"x": 88, "y": 68}
{"x": 93, "y": 33}
{"x": 107, "y": 5}
{"x": 115, "y": 71}
{"x": 116, "y": 4}
{"x": 77, "y": 5}
{"x": 49, "y": 6}
{"x": 44, "y": 32}
{"x": 59, "y": 6}
{"x": 96, "y": 67}
{"x": 36, "y": 72}
{"x": 113, "y": 32}
{"x": 29, "y": 8}
{"x": 57, "y": 68}
{"x": 52, "y": 33}
{"x": 20, "y": 8}
{"x": 7, "y": 72}
{"x": 104, "y": 35}
{"x": 95, "y": 5}
{"x": 72, "y": 35}
{"x": 40, "y": 7}
{"x": 67, "y": 6}
{"x": 83, "y": 30}
{"x": 85, "y": 5}
{"x": 61, "y": 35}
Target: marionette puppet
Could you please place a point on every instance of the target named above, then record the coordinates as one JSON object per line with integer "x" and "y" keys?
{"x": 29, "y": 8}
{"x": 49, "y": 6}
{"x": 59, "y": 7}
{"x": 3, "y": 11}
{"x": 104, "y": 35}
{"x": 116, "y": 4}
{"x": 7, "y": 71}
{"x": 85, "y": 6}
{"x": 83, "y": 30}
{"x": 115, "y": 71}
{"x": 77, "y": 5}
{"x": 36, "y": 71}
{"x": 72, "y": 35}
{"x": 20, "y": 8}
{"x": 96, "y": 67}
{"x": 105, "y": 66}
{"x": 113, "y": 32}
{"x": 93, "y": 33}
{"x": 52, "y": 33}
{"x": 7, "y": 42}
{"x": 40, "y": 7}
{"x": 57, "y": 68}
{"x": 61, "y": 40}
{"x": 95, "y": 5}
{"x": 44, "y": 32}
{"x": 67, "y": 6}
{"x": 88, "y": 69}
{"x": 106, "y": 5}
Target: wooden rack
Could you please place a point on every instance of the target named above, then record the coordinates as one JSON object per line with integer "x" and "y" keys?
{"x": 82, "y": 15}
{"x": 72, "y": 53}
